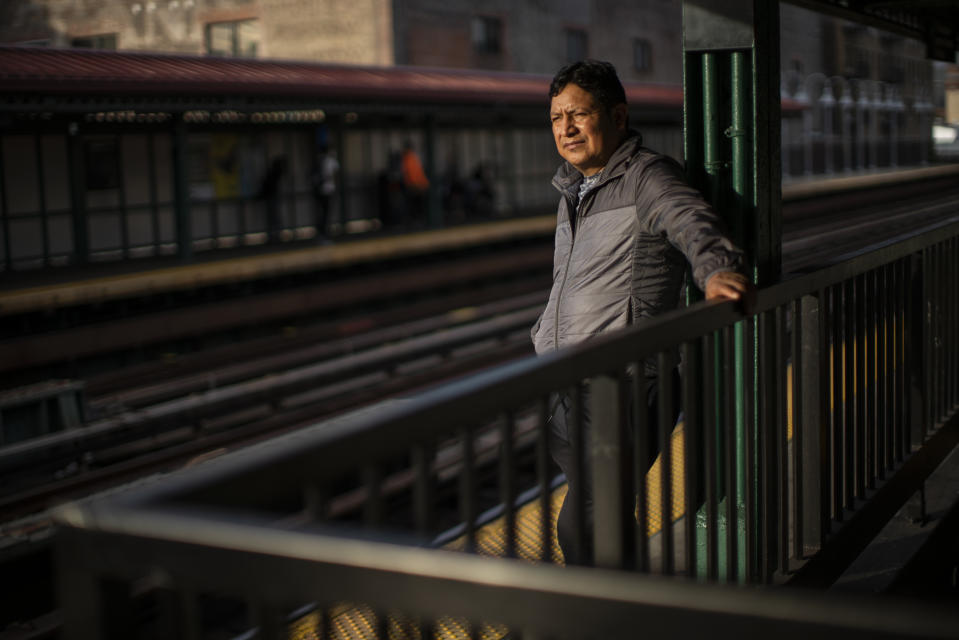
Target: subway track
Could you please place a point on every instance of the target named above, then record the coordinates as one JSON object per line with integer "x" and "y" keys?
{"x": 179, "y": 410}
{"x": 79, "y": 340}
{"x": 171, "y": 410}
{"x": 813, "y": 241}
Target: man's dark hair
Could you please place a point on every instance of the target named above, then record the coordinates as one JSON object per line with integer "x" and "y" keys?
{"x": 596, "y": 77}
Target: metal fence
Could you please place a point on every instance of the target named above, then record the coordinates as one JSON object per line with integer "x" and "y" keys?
{"x": 804, "y": 427}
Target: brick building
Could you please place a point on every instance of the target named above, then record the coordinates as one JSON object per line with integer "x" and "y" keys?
{"x": 643, "y": 37}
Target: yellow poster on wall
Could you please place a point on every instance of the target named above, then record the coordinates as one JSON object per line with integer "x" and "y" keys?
{"x": 225, "y": 165}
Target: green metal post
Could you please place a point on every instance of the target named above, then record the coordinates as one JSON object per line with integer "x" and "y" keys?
{"x": 731, "y": 80}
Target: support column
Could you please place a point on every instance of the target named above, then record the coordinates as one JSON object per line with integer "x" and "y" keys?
{"x": 732, "y": 143}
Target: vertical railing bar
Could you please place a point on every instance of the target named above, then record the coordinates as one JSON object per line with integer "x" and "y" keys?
{"x": 758, "y": 456}
{"x": 468, "y": 497}
{"x": 543, "y": 479}
{"x": 928, "y": 276}
{"x": 666, "y": 423}
{"x": 751, "y": 424}
{"x": 860, "y": 427}
{"x": 824, "y": 418}
{"x": 883, "y": 366}
{"x": 930, "y": 385}
{"x": 373, "y": 507}
{"x": 190, "y": 616}
{"x": 729, "y": 409}
{"x": 849, "y": 394}
{"x": 929, "y": 310}
{"x": 577, "y": 443}
{"x": 935, "y": 338}
{"x": 711, "y": 426}
{"x": 953, "y": 285}
{"x": 267, "y": 619}
{"x": 904, "y": 392}
{"x": 422, "y": 455}
{"x": 872, "y": 333}
{"x": 641, "y": 463}
{"x": 326, "y": 623}
{"x": 949, "y": 323}
{"x": 837, "y": 351}
{"x": 692, "y": 426}
{"x": 781, "y": 441}
{"x": 315, "y": 502}
{"x": 382, "y": 625}
{"x": 799, "y": 422}
{"x": 508, "y": 481}
{"x": 627, "y": 467}
{"x": 768, "y": 514}
{"x": 427, "y": 630}
{"x": 941, "y": 353}
{"x": 611, "y": 470}
{"x": 897, "y": 304}
{"x": 893, "y": 365}
{"x": 955, "y": 322}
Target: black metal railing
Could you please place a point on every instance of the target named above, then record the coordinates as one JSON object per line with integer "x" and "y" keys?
{"x": 804, "y": 427}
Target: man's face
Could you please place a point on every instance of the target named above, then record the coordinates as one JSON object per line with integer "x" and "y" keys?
{"x": 585, "y": 133}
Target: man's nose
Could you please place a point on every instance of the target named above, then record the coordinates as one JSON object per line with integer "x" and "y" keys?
{"x": 568, "y": 122}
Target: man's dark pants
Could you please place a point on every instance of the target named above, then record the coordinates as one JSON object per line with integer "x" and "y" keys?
{"x": 562, "y": 453}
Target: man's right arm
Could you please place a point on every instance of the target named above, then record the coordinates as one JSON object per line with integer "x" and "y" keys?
{"x": 677, "y": 210}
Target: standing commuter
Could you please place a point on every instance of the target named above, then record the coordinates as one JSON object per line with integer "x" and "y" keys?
{"x": 627, "y": 223}
{"x": 270, "y": 192}
{"x": 415, "y": 184}
{"x": 324, "y": 186}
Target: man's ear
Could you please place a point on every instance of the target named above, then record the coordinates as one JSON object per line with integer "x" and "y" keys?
{"x": 620, "y": 116}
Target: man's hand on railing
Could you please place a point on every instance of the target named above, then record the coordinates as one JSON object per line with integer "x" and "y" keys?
{"x": 732, "y": 285}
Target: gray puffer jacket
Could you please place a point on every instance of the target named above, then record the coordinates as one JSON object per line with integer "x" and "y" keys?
{"x": 622, "y": 257}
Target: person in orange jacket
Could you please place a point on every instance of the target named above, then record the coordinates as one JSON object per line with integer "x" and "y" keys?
{"x": 415, "y": 184}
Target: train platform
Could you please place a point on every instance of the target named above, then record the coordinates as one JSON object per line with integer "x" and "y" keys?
{"x": 52, "y": 289}
{"x": 93, "y": 284}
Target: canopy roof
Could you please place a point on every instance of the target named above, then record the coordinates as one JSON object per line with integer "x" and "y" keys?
{"x": 935, "y": 22}
{"x": 37, "y": 78}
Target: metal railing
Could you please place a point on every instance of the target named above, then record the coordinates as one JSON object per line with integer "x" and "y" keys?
{"x": 805, "y": 425}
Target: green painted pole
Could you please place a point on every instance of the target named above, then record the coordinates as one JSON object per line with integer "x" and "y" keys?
{"x": 731, "y": 53}
{"x": 739, "y": 222}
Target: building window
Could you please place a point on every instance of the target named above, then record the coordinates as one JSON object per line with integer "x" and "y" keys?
{"x": 101, "y": 41}
{"x": 238, "y": 39}
{"x": 575, "y": 45}
{"x": 642, "y": 55}
{"x": 487, "y": 34}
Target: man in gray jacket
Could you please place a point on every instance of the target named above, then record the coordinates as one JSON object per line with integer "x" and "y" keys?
{"x": 627, "y": 224}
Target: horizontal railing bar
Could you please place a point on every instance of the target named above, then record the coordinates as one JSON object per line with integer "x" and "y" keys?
{"x": 333, "y": 449}
{"x": 854, "y": 264}
{"x": 330, "y": 448}
{"x": 594, "y": 602}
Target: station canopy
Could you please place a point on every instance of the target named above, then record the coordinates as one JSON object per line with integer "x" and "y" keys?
{"x": 935, "y": 22}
